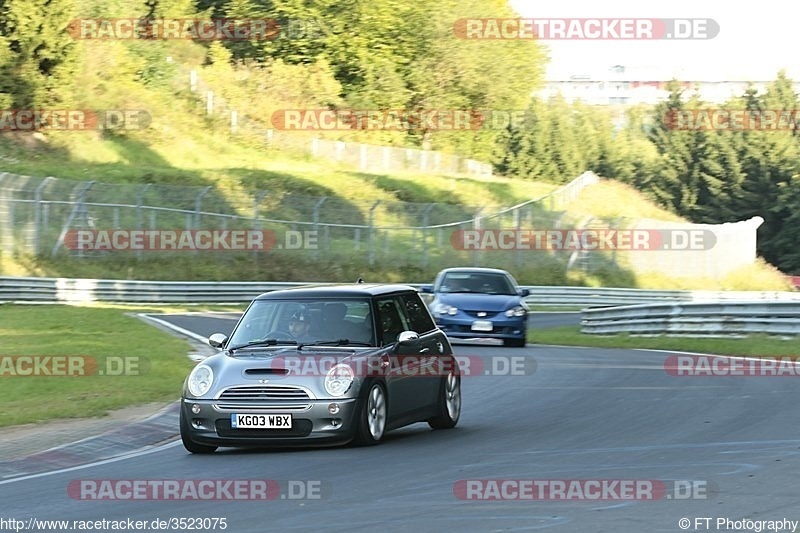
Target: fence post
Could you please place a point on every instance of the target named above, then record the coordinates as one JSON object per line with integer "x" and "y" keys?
{"x": 517, "y": 226}
{"x": 372, "y": 232}
{"x": 78, "y": 209}
{"x": 197, "y": 204}
{"x": 37, "y": 214}
{"x": 256, "y": 222}
{"x": 476, "y": 225}
{"x": 425, "y": 223}
{"x": 139, "y": 204}
{"x": 319, "y": 203}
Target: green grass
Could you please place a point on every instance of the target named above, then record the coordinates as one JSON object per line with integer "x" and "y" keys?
{"x": 95, "y": 339}
{"x": 753, "y": 345}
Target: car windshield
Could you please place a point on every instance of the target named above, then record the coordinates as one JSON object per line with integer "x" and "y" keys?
{"x": 484, "y": 283}
{"x": 334, "y": 322}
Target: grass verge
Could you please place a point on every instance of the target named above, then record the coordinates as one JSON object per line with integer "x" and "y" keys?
{"x": 752, "y": 345}
{"x": 107, "y": 359}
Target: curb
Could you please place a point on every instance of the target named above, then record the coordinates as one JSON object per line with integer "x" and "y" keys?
{"x": 129, "y": 438}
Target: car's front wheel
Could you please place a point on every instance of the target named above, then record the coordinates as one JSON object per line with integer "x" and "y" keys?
{"x": 516, "y": 343}
{"x": 188, "y": 443}
{"x": 449, "y": 403}
{"x": 372, "y": 417}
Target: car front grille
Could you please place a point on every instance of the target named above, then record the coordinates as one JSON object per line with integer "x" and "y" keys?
{"x": 258, "y": 397}
{"x": 480, "y": 314}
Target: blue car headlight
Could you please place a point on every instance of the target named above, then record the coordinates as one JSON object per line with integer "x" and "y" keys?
{"x": 444, "y": 309}
{"x": 516, "y": 311}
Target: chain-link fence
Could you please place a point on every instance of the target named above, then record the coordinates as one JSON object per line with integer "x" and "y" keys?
{"x": 55, "y": 217}
{"x": 87, "y": 220}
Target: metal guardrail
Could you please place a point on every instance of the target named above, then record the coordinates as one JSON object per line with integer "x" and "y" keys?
{"x": 696, "y": 318}
{"x": 690, "y": 313}
{"x": 608, "y": 297}
{"x": 64, "y": 290}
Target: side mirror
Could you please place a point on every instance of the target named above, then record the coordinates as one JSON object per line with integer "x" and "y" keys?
{"x": 217, "y": 340}
{"x": 524, "y": 292}
{"x": 426, "y": 288}
{"x": 407, "y": 337}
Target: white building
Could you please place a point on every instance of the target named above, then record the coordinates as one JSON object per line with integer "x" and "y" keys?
{"x": 624, "y": 85}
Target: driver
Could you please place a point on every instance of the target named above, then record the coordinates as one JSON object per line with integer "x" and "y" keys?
{"x": 299, "y": 326}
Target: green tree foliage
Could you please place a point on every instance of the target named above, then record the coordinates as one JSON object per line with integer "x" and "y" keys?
{"x": 37, "y": 54}
{"x": 557, "y": 142}
{"x": 401, "y": 56}
{"x": 706, "y": 174}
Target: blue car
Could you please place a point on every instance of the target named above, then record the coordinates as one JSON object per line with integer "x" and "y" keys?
{"x": 471, "y": 303}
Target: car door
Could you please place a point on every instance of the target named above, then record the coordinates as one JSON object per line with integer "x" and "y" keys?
{"x": 399, "y": 379}
{"x": 432, "y": 349}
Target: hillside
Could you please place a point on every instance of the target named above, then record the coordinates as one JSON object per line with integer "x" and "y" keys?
{"x": 183, "y": 145}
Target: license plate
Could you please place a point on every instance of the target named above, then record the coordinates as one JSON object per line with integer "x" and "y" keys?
{"x": 243, "y": 421}
{"x": 482, "y": 325}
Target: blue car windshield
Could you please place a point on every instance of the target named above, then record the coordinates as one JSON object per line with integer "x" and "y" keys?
{"x": 478, "y": 283}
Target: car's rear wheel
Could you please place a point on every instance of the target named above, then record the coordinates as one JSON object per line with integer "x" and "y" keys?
{"x": 188, "y": 443}
{"x": 372, "y": 417}
{"x": 449, "y": 402}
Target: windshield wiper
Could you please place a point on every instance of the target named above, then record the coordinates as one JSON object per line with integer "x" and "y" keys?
{"x": 337, "y": 342}
{"x": 261, "y": 342}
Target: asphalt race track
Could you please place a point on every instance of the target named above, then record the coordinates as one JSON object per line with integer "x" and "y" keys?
{"x": 694, "y": 447}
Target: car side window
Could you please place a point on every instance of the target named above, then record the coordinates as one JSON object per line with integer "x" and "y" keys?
{"x": 419, "y": 319}
{"x": 390, "y": 319}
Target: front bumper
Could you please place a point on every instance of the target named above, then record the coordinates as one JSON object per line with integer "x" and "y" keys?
{"x": 501, "y": 329}
{"x": 314, "y": 425}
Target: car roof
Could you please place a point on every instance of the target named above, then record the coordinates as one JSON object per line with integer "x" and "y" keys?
{"x": 350, "y": 290}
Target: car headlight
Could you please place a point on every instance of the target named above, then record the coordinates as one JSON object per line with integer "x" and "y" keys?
{"x": 444, "y": 309}
{"x": 200, "y": 380}
{"x": 338, "y": 380}
{"x": 516, "y": 311}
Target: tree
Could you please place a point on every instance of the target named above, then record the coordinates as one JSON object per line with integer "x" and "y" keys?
{"x": 38, "y": 56}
